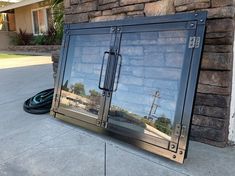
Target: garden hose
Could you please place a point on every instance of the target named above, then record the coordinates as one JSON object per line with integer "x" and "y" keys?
{"x": 39, "y": 103}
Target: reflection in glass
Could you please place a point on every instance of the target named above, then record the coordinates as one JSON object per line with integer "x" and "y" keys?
{"x": 149, "y": 82}
{"x": 80, "y": 90}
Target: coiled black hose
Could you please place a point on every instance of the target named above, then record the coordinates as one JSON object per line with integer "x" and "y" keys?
{"x": 40, "y": 103}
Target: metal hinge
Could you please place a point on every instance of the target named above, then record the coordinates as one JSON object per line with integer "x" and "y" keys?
{"x": 177, "y": 130}
{"x": 194, "y": 42}
{"x": 101, "y": 123}
{"x": 174, "y": 143}
{"x": 179, "y": 134}
{"x": 180, "y": 131}
{"x": 56, "y": 97}
{"x": 183, "y": 131}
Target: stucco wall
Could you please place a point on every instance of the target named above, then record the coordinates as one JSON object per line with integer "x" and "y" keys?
{"x": 23, "y": 18}
{"x": 5, "y": 39}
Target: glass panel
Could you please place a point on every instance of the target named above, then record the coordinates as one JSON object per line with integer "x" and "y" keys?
{"x": 80, "y": 90}
{"x": 42, "y": 21}
{"x": 148, "y": 88}
{"x": 35, "y": 22}
{"x": 11, "y": 20}
{"x": 39, "y": 20}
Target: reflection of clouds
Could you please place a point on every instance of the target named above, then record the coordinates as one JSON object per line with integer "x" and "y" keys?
{"x": 161, "y": 84}
{"x": 129, "y": 50}
{"x": 131, "y": 80}
{"x": 123, "y": 87}
{"x": 168, "y": 105}
{"x": 162, "y": 73}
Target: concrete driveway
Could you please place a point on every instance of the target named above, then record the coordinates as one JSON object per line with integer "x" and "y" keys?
{"x": 39, "y": 145}
{"x": 24, "y": 62}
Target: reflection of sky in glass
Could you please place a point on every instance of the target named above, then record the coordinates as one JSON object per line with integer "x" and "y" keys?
{"x": 152, "y": 61}
{"x": 85, "y": 55}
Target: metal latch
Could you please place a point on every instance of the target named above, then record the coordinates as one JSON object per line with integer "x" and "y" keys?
{"x": 194, "y": 42}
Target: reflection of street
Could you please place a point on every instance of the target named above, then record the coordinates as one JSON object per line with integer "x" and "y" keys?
{"x": 85, "y": 104}
{"x": 157, "y": 132}
{"x": 77, "y": 98}
{"x": 160, "y": 128}
{"x": 149, "y": 130}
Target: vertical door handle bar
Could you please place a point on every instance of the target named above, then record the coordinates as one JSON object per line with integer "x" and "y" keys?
{"x": 101, "y": 72}
{"x": 119, "y": 57}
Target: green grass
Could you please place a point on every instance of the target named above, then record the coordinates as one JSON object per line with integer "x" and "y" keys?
{"x": 9, "y": 56}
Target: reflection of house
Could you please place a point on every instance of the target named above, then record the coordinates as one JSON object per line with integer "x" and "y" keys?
{"x": 32, "y": 16}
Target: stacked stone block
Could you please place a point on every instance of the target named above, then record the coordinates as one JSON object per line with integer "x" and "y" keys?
{"x": 211, "y": 111}
{"x": 40, "y": 49}
{"x": 55, "y": 55}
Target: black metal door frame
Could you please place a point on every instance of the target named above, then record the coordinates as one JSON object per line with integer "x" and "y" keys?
{"x": 195, "y": 23}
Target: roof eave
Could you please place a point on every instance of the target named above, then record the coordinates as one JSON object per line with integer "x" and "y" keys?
{"x": 18, "y": 5}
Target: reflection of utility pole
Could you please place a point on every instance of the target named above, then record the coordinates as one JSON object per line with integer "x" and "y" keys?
{"x": 154, "y": 105}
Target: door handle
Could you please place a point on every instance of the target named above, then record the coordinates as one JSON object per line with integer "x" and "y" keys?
{"x": 112, "y": 72}
{"x": 101, "y": 71}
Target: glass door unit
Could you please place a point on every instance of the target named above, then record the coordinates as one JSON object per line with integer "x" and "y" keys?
{"x": 134, "y": 78}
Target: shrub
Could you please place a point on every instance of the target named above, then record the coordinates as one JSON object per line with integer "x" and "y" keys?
{"x": 79, "y": 89}
{"x": 52, "y": 37}
{"x": 163, "y": 124}
{"x": 48, "y": 38}
{"x": 39, "y": 40}
{"x": 94, "y": 93}
{"x": 58, "y": 14}
{"x": 22, "y": 38}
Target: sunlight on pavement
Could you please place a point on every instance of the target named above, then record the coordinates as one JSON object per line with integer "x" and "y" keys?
{"x": 24, "y": 61}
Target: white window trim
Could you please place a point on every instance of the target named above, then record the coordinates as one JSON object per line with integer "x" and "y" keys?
{"x": 45, "y": 18}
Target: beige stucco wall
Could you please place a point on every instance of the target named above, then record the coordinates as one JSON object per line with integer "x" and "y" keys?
{"x": 5, "y": 39}
{"x": 23, "y": 17}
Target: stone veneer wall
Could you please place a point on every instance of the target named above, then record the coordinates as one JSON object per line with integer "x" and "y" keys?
{"x": 34, "y": 48}
{"x": 210, "y": 122}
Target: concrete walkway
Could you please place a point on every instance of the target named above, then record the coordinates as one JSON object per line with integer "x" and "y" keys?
{"x": 32, "y": 145}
